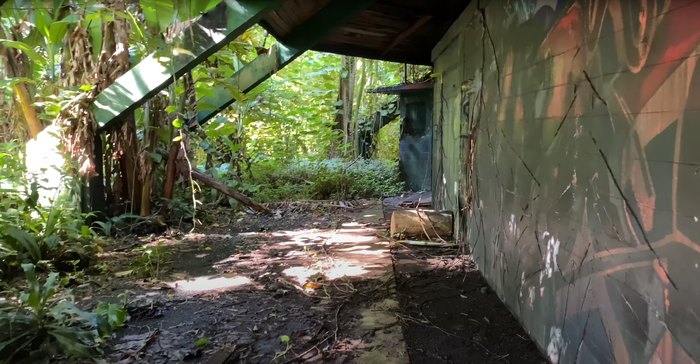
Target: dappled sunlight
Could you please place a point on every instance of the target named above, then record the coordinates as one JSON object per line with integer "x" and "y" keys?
{"x": 336, "y": 269}
{"x": 209, "y": 283}
{"x": 345, "y": 269}
{"x": 368, "y": 251}
{"x": 307, "y": 257}
{"x": 350, "y": 236}
{"x": 207, "y": 236}
{"x": 352, "y": 224}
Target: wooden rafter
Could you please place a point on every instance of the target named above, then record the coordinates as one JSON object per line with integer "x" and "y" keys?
{"x": 406, "y": 32}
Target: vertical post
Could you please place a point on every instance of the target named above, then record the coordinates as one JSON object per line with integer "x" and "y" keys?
{"x": 96, "y": 183}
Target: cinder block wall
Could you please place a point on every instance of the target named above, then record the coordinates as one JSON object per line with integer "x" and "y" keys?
{"x": 567, "y": 133}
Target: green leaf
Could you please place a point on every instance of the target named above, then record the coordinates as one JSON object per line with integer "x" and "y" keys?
{"x": 27, "y": 241}
{"x": 26, "y": 49}
{"x": 201, "y": 342}
{"x": 11, "y": 82}
{"x": 171, "y": 108}
{"x": 178, "y": 123}
{"x": 284, "y": 339}
{"x": 157, "y": 158}
{"x": 159, "y": 14}
{"x": 70, "y": 341}
{"x": 94, "y": 28}
{"x": 114, "y": 314}
{"x": 177, "y": 138}
{"x": 50, "y": 286}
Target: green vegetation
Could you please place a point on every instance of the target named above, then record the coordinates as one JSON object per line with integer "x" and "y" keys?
{"x": 294, "y": 137}
{"x": 151, "y": 261}
{"x": 328, "y": 179}
{"x": 32, "y": 232}
{"x": 43, "y": 323}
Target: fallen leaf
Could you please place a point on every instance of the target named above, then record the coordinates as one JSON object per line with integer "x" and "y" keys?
{"x": 123, "y": 273}
{"x": 311, "y": 285}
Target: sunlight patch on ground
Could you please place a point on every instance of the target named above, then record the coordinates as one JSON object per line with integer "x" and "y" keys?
{"x": 351, "y": 224}
{"x": 351, "y": 236}
{"x": 339, "y": 269}
{"x": 366, "y": 251}
{"x": 208, "y": 236}
{"x": 209, "y": 283}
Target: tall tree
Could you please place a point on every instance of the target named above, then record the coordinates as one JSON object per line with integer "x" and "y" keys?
{"x": 344, "y": 106}
{"x": 16, "y": 64}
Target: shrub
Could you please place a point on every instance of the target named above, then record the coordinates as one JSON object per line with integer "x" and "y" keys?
{"x": 328, "y": 179}
{"x": 151, "y": 261}
{"x": 29, "y": 231}
{"x": 43, "y": 323}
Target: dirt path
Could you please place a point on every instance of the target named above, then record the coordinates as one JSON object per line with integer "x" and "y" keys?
{"x": 450, "y": 314}
{"x": 316, "y": 283}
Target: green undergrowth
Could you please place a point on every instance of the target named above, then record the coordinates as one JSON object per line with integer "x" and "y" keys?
{"x": 43, "y": 232}
{"x": 40, "y": 225}
{"x": 41, "y": 323}
{"x": 332, "y": 179}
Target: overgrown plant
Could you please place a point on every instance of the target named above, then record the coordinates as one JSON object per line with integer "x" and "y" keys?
{"x": 151, "y": 261}
{"x": 32, "y": 232}
{"x": 328, "y": 179}
{"x": 42, "y": 323}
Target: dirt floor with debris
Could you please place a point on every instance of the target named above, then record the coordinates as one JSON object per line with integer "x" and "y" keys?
{"x": 316, "y": 282}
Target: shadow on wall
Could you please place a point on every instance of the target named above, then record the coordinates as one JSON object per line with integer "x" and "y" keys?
{"x": 585, "y": 211}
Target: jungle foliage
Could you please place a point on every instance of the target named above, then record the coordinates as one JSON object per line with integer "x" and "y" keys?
{"x": 293, "y": 137}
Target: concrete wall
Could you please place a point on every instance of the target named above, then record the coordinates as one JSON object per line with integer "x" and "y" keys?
{"x": 568, "y": 134}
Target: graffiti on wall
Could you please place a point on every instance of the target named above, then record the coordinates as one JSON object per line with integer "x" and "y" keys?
{"x": 587, "y": 175}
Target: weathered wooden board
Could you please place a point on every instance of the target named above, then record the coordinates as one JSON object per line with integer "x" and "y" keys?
{"x": 418, "y": 223}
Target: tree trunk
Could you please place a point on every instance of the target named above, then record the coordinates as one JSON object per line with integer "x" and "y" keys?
{"x": 170, "y": 173}
{"x": 357, "y": 113}
{"x": 343, "y": 118}
{"x": 348, "y": 95}
{"x": 155, "y": 115}
{"x": 14, "y": 66}
{"x": 22, "y": 97}
{"x": 114, "y": 62}
{"x": 243, "y": 199}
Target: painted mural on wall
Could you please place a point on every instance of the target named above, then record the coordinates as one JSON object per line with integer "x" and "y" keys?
{"x": 584, "y": 201}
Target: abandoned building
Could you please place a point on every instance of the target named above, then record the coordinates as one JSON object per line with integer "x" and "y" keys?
{"x": 563, "y": 139}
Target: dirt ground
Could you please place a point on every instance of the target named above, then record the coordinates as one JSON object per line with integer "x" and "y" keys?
{"x": 317, "y": 282}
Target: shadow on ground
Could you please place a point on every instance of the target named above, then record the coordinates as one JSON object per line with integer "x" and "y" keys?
{"x": 315, "y": 283}
{"x": 451, "y": 316}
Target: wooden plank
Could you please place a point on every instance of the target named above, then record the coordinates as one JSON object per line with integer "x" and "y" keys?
{"x": 275, "y": 22}
{"x": 419, "y": 56}
{"x": 243, "y": 81}
{"x": 407, "y": 32}
{"x": 206, "y": 36}
{"x": 303, "y": 37}
{"x": 420, "y": 223}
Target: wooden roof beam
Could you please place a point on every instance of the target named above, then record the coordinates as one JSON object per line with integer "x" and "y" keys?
{"x": 406, "y": 33}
